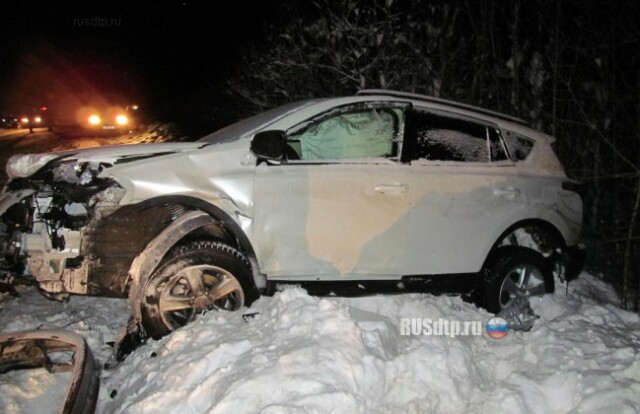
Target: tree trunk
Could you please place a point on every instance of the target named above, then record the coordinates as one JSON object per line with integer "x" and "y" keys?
{"x": 627, "y": 251}
{"x": 556, "y": 64}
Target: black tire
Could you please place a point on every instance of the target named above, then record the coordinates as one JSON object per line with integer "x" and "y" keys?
{"x": 193, "y": 275}
{"x": 513, "y": 265}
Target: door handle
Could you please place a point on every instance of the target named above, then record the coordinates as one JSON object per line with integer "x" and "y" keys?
{"x": 506, "y": 192}
{"x": 391, "y": 188}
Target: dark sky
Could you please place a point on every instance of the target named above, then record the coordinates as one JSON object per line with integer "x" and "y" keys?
{"x": 171, "y": 56}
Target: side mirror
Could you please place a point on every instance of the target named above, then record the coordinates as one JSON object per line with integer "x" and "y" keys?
{"x": 269, "y": 145}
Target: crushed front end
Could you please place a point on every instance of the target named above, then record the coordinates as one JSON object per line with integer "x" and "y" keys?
{"x": 47, "y": 217}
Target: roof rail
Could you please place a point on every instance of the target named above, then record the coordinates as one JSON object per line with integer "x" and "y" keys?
{"x": 432, "y": 99}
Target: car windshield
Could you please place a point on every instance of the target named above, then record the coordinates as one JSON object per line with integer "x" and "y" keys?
{"x": 244, "y": 127}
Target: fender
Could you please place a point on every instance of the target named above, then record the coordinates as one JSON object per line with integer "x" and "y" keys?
{"x": 220, "y": 215}
{"x": 222, "y": 218}
{"x": 545, "y": 225}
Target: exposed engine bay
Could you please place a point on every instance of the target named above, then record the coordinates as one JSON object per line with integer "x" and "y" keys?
{"x": 43, "y": 231}
{"x": 62, "y": 228}
{"x": 67, "y": 226}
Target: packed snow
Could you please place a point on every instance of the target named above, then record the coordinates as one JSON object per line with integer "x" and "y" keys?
{"x": 297, "y": 353}
{"x": 32, "y": 391}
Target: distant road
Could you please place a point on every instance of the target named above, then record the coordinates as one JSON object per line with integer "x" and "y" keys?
{"x": 9, "y": 137}
{"x": 20, "y": 141}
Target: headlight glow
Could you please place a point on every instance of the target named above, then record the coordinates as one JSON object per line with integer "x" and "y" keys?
{"x": 24, "y": 120}
{"x": 94, "y": 120}
{"x": 122, "y": 120}
{"x": 37, "y": 119}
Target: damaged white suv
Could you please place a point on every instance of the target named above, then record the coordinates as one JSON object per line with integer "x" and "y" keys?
{"x": 380, "y": 188}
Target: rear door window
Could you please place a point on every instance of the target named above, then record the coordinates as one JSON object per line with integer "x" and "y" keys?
{"x": 440, "y": 138}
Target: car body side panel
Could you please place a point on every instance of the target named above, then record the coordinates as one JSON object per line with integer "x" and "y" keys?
{"x": 327, "y": 220}
{"x": 454, "y": 208}
{"x": 461, "y": 210}
{"x": 221, "y": 175}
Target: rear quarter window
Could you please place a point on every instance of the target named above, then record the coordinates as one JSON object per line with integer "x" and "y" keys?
{"x": 519, "y": 146}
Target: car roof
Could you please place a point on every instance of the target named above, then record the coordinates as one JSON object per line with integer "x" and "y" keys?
{"x": 294, "y": 113}
{"x": 514, "y": 124}
{"x": 453, "y": 104}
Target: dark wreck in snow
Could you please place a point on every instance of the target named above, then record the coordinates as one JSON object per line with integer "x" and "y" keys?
{"x": 57, "y": 352}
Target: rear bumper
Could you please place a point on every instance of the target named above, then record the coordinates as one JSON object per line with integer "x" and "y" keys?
{"x": 576, "y": 256}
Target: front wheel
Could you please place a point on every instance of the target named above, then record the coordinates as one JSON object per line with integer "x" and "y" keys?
{"x": 196, "y": 277}
{"x": 518, "y": 272}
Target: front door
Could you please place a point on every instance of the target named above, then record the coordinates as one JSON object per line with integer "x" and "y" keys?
{"x": 339, "y": 206}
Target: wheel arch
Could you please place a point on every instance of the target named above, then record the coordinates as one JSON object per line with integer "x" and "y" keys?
{"x": 541, "y": 226}
{"x": 218, "y": 214}
{"x": 202, "y": 214}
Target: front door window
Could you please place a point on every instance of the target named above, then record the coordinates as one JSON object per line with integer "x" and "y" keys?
{"x": 348, "y": 133}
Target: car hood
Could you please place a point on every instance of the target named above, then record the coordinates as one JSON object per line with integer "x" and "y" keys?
{"x": 22, "y": 165}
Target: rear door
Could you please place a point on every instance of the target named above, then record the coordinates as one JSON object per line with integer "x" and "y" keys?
{"x": 464, "y": 188}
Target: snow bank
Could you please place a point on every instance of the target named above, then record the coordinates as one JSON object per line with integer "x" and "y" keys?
{"x": 304, "y": 354}
{"x": 308, "y": 354}
{"x": 156, "y": 132}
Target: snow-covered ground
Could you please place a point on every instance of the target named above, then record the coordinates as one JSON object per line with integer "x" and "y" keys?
{"x": 305, "y": 354}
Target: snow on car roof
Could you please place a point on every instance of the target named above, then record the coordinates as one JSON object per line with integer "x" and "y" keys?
{"x": 446, "y": 102}
{"x": 506, "y": 121}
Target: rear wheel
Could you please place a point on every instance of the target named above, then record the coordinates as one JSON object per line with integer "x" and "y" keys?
{"x": 196, "y": 277}
{"x": 518, "y": 272}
